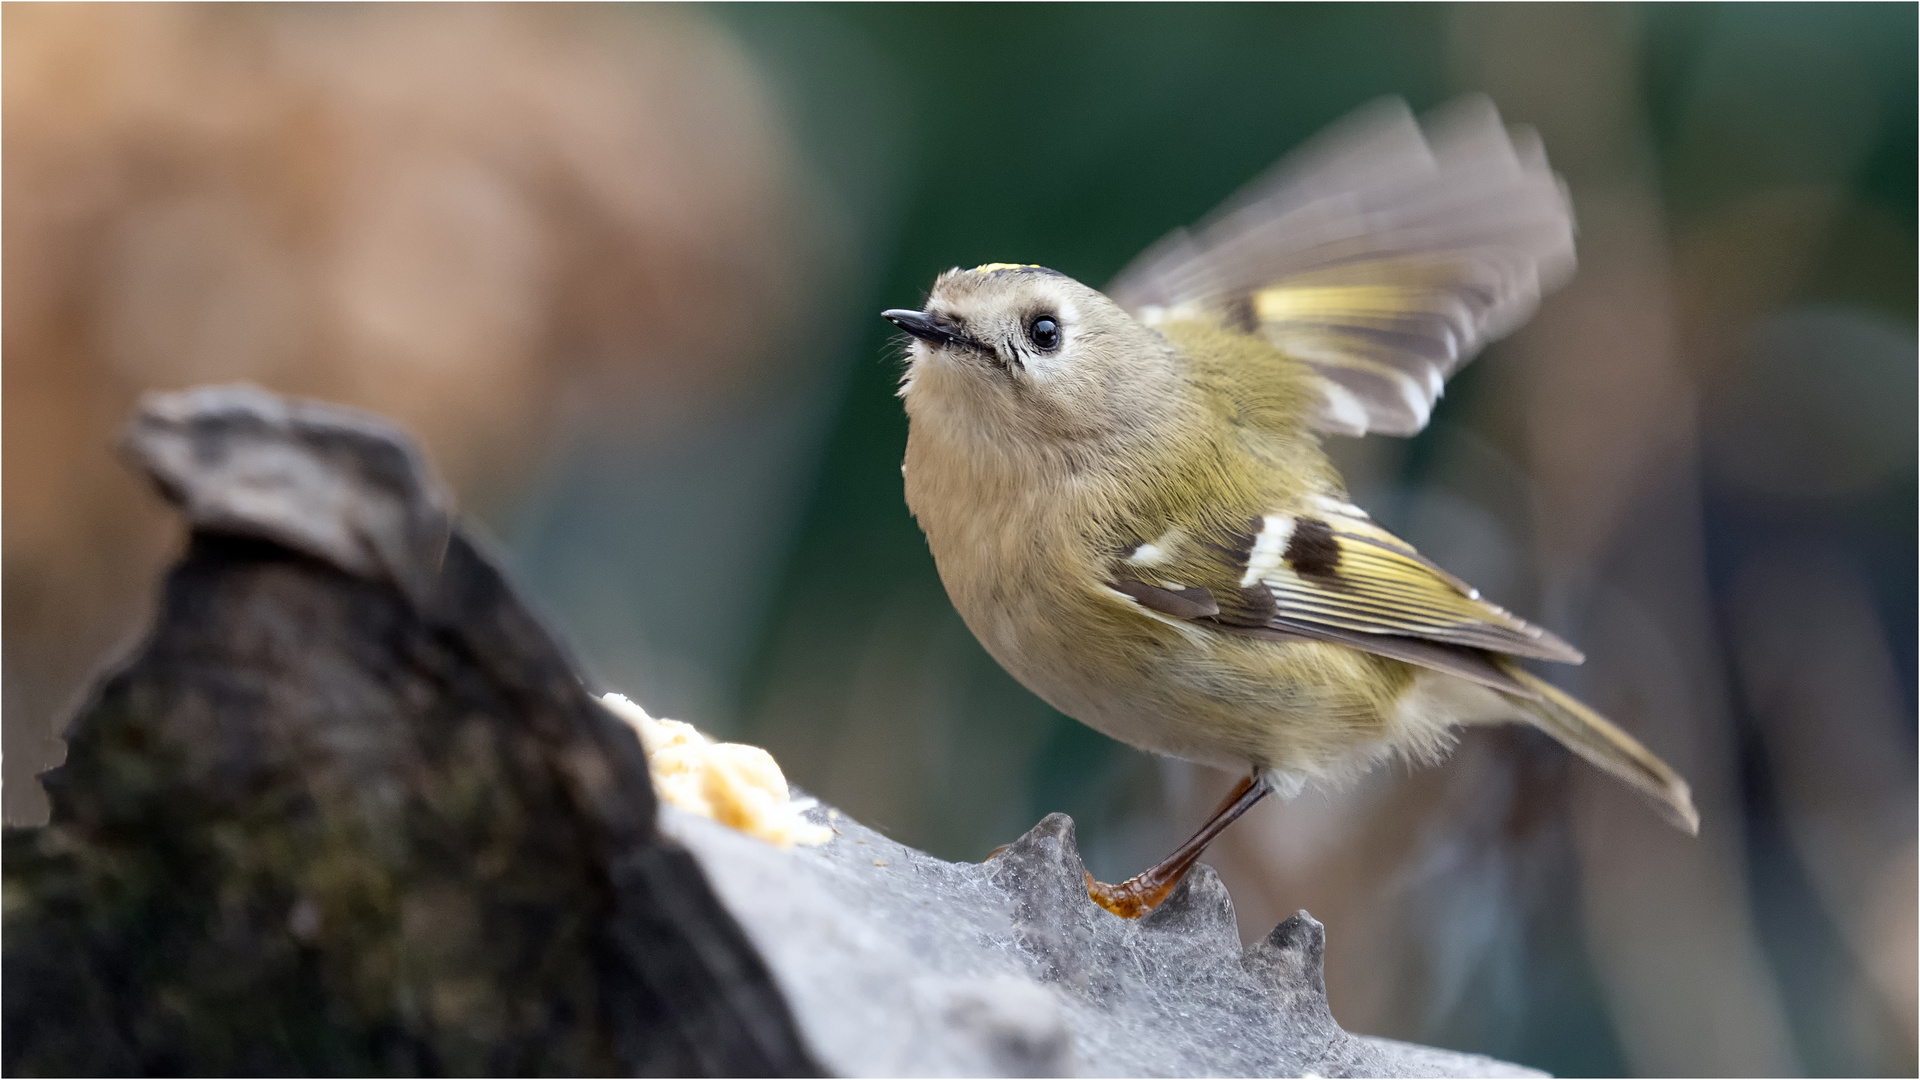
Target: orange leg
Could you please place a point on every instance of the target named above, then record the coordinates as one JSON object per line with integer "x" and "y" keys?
{"x": 1144, "y": 891}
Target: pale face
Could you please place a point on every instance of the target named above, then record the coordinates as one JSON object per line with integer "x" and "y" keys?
{"x": 1018, "y": 350}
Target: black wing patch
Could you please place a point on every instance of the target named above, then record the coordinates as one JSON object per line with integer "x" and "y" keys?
{"x": 1333, "y": 576}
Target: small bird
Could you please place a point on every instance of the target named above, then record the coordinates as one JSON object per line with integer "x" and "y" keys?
{"x": 1129, "y": 503}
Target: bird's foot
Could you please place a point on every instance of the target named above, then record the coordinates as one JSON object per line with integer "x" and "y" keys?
{"x": 1144, "y": 891}
{"x": 1138, "y": 894}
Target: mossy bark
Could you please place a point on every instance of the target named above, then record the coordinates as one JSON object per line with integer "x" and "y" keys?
{"x": 323, "y": 824}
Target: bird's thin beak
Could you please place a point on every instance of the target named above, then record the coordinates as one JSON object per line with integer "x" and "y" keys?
{"x": 922, "y": 326}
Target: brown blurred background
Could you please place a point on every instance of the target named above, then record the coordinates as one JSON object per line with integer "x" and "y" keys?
{"x": 618, "y": 269}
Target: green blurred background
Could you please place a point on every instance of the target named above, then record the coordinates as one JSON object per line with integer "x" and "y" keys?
{"x": 621, "y": 269}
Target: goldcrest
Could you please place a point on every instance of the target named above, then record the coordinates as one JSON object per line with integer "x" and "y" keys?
{"x": 1127, "y": 497}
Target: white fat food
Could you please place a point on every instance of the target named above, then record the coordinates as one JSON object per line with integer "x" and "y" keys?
{"x": 734, "y": 784}
{"x": 1268, "y": 549}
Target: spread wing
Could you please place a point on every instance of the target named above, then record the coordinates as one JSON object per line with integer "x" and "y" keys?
{"x": 1331, "y": 574}
{"x": 1383, "y": 254}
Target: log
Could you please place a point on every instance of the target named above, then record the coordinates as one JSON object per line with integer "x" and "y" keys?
{"x": 349, "y": 808}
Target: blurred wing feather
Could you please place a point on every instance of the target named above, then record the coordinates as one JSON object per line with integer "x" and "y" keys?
{"x": 1382, "y": 254}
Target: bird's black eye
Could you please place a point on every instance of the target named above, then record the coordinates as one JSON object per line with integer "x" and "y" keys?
{"x": 1044, "y": 331}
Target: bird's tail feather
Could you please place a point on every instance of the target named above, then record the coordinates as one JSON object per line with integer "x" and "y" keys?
{"x": 1595, "y": 738}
